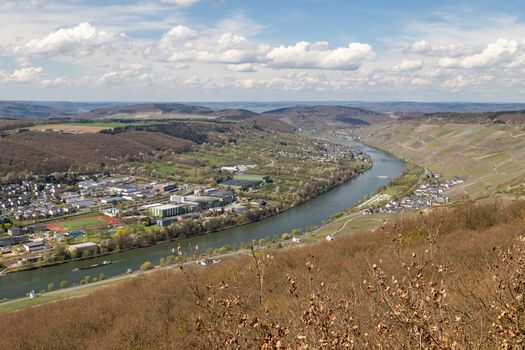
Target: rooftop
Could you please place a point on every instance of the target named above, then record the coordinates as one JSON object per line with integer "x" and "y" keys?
{"x": 167, "y": 207}
{"x": 84, "y": 245}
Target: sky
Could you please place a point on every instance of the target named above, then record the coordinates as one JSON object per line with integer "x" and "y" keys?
{"x": 233, "y": 50}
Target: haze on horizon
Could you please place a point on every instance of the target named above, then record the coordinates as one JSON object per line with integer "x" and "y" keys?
{"x": 213, "y": 50}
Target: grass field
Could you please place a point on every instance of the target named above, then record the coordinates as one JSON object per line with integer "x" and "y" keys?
{"x": 486, "y": 156}
{"x": 83, "y": 127}
{"x": 57, "y": 295}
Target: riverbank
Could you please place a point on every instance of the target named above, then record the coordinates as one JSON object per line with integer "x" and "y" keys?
{"x": 334, "y": 228}
{"x": 353, "y": 174}
{"x": 312, "y": 213}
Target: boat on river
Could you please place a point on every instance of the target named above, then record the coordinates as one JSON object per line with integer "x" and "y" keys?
{"x": 92, "y": 266}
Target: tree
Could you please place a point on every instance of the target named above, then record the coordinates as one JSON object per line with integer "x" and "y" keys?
{"x": 147, "y": 266}
{"x": 50, "y": 287}
{"x": 63, "y": 284}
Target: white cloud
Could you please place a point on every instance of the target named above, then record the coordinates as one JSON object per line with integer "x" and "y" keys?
{"x": 185, "y": 3}
{"x": 77, "y": 41}
{"x": 419, "y": 82}
{"x": 243, "y": 67}
{"x": 213, "y": 46}
{"x": 408, "y": 66}
{"x": 60, "y": 81}
{"x": 22, "y": 4}
{"x": 203, "y": 56}
{"x": 424, "y": 47}
{"x": 130, "y": 76}
{"x": 177, "y": 35}
{"x": 455, "y": 84}
{"x": 23, "y": 61}
{"x": 448, "y": 62}
{"x": 495, "y": 52}
{"x": 25, "y": 75}
{"x": 319, "y": 56}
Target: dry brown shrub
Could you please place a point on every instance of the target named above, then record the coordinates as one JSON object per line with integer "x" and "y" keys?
{"x": 451, "y": 279}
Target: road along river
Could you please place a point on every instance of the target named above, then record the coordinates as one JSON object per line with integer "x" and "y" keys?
{"x": 313, "y": 212}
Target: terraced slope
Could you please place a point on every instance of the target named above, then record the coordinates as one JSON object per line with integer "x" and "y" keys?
{"x": 487, "y": 156}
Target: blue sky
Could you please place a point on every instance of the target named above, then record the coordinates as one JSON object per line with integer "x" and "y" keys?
{"x": 219, "y": 50}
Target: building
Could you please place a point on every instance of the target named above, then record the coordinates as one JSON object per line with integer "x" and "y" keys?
{"x": 260, "y": 178}
{"x": 238, "y": 168}
{"x": 83, "y": 204}
{"x": 111, "y": 200}
{"x": 31, "y": 259}
{"x": 112, "y": 212}
{"x": 7, "y": 241}
{"x": 80, "y": 248}
{"x": 240, "y": 184}
{"x": 14, "y": 231}
{"x": 162, "y": 188}
{"x": 199, "y": 202}
{"x": 164, "y": 211}
{"x": 226, "y": 196}
{"x": 71, "y": 197}
{"x": 34, "y": 246}
{"x": 74, "y": 234}
{"x": 125, "y": 189}
{"x": 167, "y": 221}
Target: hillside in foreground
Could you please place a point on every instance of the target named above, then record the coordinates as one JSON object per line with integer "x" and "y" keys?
{"x": 489, "y": 158}
{"x": 451, "y": 279}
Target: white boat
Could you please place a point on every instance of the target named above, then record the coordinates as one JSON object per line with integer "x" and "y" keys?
{"x": 382, "y": 177}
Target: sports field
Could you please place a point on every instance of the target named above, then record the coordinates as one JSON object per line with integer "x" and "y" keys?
{"x": 90, "y": 222}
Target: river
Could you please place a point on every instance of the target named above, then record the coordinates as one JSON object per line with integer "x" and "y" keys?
{"x": 313, "y": 212}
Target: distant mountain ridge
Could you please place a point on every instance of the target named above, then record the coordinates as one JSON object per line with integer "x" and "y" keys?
{"x": 163, "y": 108}
{"x": 297, "y": 114}
{"x": 321, "y": 117}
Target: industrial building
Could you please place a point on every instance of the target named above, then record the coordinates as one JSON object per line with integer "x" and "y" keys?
{"x": 163, "y": 188}
{"x": 164, "y": 211}
{"x": 244, "y": 182}
{"x": 198, "y": 203}
{"x": 80, "y": 248}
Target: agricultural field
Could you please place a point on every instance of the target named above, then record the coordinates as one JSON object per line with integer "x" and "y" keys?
{"x": 82, "y": 127}
{"x": 487, "y": 157}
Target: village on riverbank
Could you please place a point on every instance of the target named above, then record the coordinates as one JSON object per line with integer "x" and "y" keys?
{"x": 58, "y": 217}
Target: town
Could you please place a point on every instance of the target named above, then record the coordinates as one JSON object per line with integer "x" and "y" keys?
{"x": 53, "y": 218}
{"x": 427, "y": 194}
{"x": 326, "y": 152}
{"x": 97, "y": 205}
